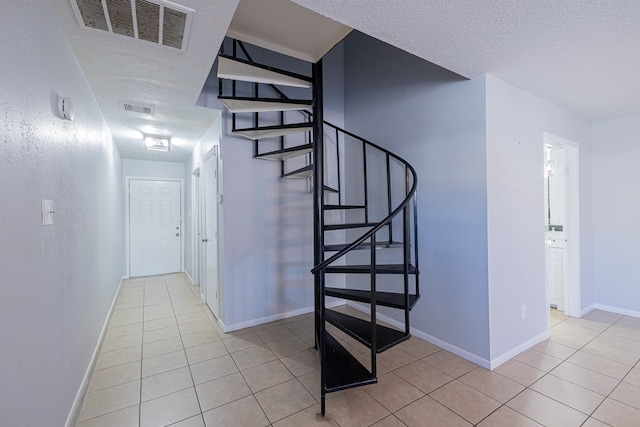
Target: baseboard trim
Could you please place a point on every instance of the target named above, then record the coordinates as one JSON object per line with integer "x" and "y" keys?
{"x": 617, "y": 310}
{"x": 84, "y": 385}
{"x": 510, "y": 354}
{"x": 452, "y": 348}
{"x": 255, "y": 322}
{"x": 487, "y": 364}
{"x": 186, "y": 273}
{"x": 433, "y": 340}
{"x": 587, "y": 310}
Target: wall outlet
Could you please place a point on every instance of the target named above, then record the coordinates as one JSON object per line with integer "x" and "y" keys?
{"x": 523, "y": 311}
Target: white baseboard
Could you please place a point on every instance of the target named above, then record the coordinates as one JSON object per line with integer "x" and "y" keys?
{"x": 506, "y": 356}
{"x": 273, "y": 318}
{"x": 84, "y": 385}
{"x": 587, "y": 310}
{"x": 433, "y": 340}
{"x": 452, "y": 348}
{"x": 617, "y": 310}
{"x": 186, "y": 273}
{"x": 487, "y": 364}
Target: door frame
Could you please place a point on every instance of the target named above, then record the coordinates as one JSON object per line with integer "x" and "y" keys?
{"x": 195, "y": 225}
{"x": 572, "y": 292}
{"x": 214, "y": 151}
{"x": 127, "y": 248}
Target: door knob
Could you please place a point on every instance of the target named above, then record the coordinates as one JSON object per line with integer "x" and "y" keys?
{"x": 205, "y": 240}
{"x": 177, "y": 234}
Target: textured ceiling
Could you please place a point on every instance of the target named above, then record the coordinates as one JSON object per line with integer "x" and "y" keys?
{"x": 120, "y": 69}
{"x": 582, "y": 55}
{"x": 286, "y": 27}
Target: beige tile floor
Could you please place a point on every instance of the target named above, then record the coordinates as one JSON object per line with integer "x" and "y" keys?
{"x": 165, "y": 362}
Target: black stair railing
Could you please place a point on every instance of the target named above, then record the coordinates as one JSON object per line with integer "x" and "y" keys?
{"x": 405, "y": 206}
{"x": 352, "y": 374}
{"x": 405, "y": 209}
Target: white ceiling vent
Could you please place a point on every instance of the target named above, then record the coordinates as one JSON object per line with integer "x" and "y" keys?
{"x": 138, "y": 108}
{"x": 154, "y": 21}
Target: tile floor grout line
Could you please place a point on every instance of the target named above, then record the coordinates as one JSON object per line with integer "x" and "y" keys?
{"x": 176, "y": 292}
{"x": 591, "y": 370}
{"x": 608, "y": 396}
{"x": 590, "y": 415}
{"x": 500, "y": 407}
{"x": 142, "y": 355}
{"x": 543, "y": 376}
{"x": 106, "y": 413}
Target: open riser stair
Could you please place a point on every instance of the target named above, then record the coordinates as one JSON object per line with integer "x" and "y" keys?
{"x": 364, "y": 208}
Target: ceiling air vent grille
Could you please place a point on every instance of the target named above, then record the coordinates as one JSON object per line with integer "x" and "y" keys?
{"x": 153, "y": 21}
{"x": 138, "y": 108}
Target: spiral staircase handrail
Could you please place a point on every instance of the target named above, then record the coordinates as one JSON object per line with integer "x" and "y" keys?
{"x": 388, "y": 218}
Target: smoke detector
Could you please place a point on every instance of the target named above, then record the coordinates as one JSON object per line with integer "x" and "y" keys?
{"x": 154, "y": 21}
{"x": 65, "y": 108}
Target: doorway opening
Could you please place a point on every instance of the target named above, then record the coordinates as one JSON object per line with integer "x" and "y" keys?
{"x": 209, "y": 202}
{"x": 562, "y": 225}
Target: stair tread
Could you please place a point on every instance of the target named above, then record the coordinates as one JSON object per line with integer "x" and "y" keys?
{"x": 335, "y": 247}
{"x": 343, "y": 371}
{"x": 330, "y": 190}
{"x": 254, "y": 105}
{"x": 380, "y": 269}
{"x": 349, "y": 225}
{"x": 286, "y": 153}
{"x": 338, "y": 207}
{"x": 238, "y": 69}
{"x": 273, "y": 131}
{"x": 361, "y": 330}
{"x": 387, "y": 299}
{"x": 304, "y": 172}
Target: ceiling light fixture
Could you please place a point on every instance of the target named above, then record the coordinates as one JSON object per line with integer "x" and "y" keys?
{"x": 156, "y": 143}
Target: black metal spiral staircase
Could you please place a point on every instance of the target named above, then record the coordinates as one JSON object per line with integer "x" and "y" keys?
{"x": 372, "y": 239}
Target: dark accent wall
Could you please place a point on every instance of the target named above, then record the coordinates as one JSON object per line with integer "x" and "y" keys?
{"x": 436, "y": 120}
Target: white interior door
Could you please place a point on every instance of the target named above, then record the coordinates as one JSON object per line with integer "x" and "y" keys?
{"x": 154, "y": 227}
{"x": 556, "y": 272}
{"x": 210, "y": 239}
{"x": 556, "y": 224}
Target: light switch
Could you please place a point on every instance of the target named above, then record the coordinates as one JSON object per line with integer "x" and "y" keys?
{"x": 47, "y": 212}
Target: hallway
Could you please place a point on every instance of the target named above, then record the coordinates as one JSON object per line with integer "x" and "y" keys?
{"x": 165, "y": 362}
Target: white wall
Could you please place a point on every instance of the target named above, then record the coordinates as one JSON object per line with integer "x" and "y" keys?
{"x": 516, "y": 122}
{"x": 616, "y": 202}
{"x": 434, "y": 119}
{"x": 268, "y": 221}
{"x": 58, "y": 281}
{"x": 153, "y": 169}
